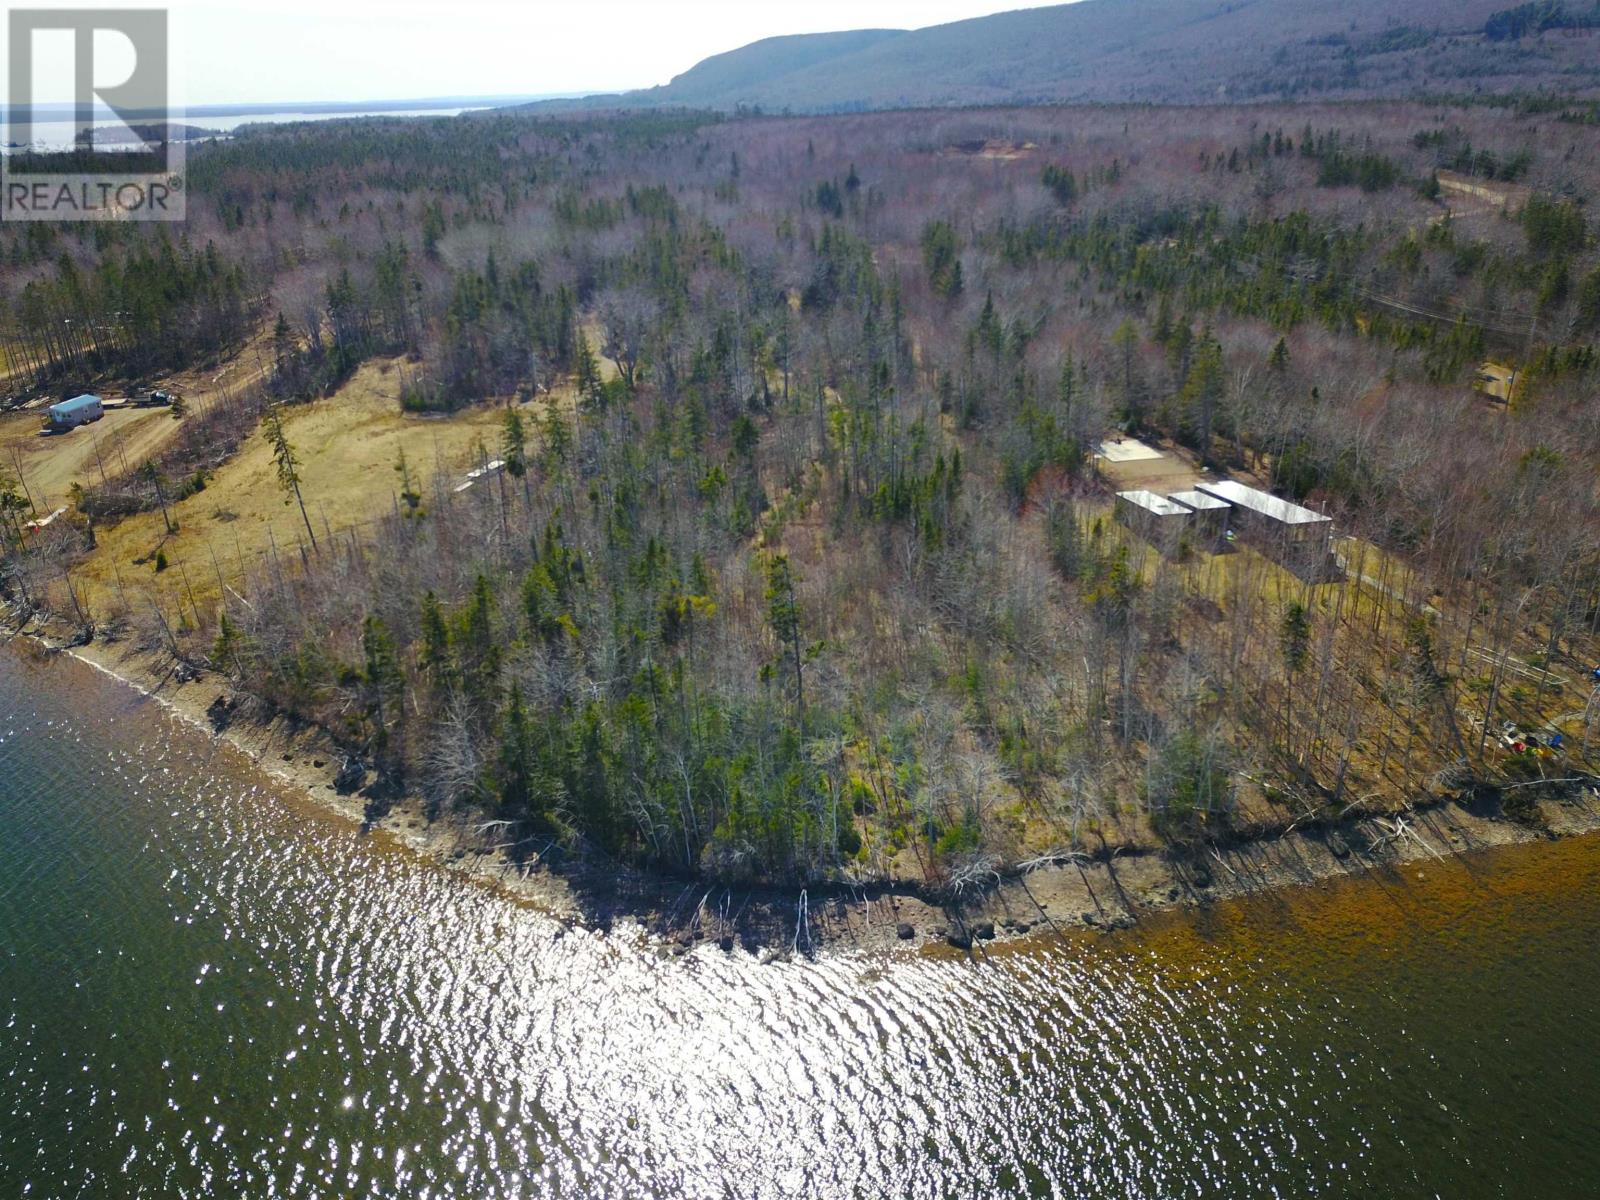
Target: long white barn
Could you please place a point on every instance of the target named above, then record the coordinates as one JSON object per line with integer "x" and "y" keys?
{"x": 1263, "y": 504}
{"x": 1298, "y": 537}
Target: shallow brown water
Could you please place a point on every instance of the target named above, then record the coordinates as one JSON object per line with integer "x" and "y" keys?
{"x": 210, "y": 988}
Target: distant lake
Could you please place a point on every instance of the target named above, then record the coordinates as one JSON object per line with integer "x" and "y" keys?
{"x": 57, "y": 135}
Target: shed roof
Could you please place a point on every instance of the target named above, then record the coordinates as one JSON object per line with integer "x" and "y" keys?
{"x": 1264, "y": 503}
{"x": 1152, "y": 503}
{"x": 1198, "y": 500}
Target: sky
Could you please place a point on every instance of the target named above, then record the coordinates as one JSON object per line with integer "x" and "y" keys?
{"x": 255, "y": 51}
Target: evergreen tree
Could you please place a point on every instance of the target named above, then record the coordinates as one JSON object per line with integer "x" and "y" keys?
{"x": 783, "y": 615}
{"x": 288, "y": 465}
{"x": 1294, "y": 642}
{"x": 524, "y": 789}
{"x": 476, "y": 648}
{"x": 1278, "y": 360}
{"x": 384, "y": 680}
{"x": 514, "y": 444}
{"x": 591, "y": 389}
{"x": 1125, "y": 341}
{"x": 434, "y": 658}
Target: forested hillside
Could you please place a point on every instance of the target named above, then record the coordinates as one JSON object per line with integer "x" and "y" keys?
{"x": 1158, "y": 51}
{"x": 790, "y": 555}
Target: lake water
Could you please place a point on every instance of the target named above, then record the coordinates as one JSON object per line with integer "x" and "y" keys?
{"x": 208, "y": 988}
{"x": 58, "y": 135}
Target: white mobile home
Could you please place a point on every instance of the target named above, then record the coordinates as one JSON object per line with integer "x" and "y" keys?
{"x": 69, "y": 414}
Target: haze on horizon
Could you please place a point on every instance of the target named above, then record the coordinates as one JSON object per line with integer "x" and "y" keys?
{"x": 231, "y": 52}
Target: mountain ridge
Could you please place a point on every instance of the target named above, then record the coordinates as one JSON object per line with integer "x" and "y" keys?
{"x": 1142, "y": 51}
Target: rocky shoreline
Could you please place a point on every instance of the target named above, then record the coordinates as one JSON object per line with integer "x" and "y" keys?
{"x": 1106, "y": 889}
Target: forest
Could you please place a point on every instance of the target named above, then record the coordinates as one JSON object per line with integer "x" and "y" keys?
{"x": 792, "y": 553}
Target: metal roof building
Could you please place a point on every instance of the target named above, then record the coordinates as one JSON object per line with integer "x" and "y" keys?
{"x": 1149, "y": 502}
{"x": 1199, "y": 501}
{"x": 1262, "y": 504}
{"x": 1299, "y": 538}
{"x": 1154, "y": 518}
{"x": 1210, "y": 514}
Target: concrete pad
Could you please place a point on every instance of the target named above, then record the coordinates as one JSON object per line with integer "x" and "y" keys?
{"x": 1127, "y": 450}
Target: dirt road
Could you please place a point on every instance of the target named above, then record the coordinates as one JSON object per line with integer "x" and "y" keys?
{"x": 49, "y": 464}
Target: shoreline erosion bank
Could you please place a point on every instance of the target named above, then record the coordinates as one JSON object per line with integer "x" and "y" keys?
{"x": 1106, "y": 888}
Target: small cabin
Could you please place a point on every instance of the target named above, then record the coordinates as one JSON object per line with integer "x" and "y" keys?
{"x": 69, "y": 414}
{"x": 1210, "y": 519}
{"x": 1154, "y": 518}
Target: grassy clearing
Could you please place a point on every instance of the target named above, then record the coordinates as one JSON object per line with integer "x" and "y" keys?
{"x": 50, "y": 465}
{"x": 348, "y": 445}
{"x": 124, "y": 438}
